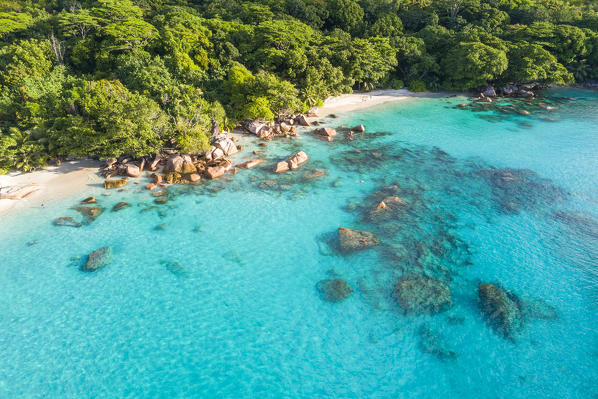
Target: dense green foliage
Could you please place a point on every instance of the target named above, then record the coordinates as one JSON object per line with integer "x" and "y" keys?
{"x": 113, "y": 77}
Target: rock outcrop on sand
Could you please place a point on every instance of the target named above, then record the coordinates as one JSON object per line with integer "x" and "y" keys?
{"x": 98, "y": 259}
{"x": 423, "y": 295}
{"x": 334, "y": 290}
{"x": 355, "y": 240}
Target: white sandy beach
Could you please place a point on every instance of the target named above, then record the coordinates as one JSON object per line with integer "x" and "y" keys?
{"x": 53, "y": 183}
{"x": 357, "y": 101}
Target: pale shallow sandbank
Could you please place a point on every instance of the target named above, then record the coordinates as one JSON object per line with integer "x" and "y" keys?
{"x": 52, "y": 183}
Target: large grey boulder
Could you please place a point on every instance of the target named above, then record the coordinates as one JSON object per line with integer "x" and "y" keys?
{"x": 174, "y": 164}
{"x": 227, "y": 146}
{"x": 133, "y": 170}
{"x": 302, "y": 120}
{"x": 255, "y": 126}
{"x": 526, "y": 93}
{"x": 510, "y": 90}
{"x": 489, "y": 91}
{"x": 214, "y": 154}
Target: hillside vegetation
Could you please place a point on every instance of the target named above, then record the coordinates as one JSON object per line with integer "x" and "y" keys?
{"x": 111, "y": 77}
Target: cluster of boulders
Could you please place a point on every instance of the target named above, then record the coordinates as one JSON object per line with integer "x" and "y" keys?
{"x": 328, "y": 134}
{"x": 186, "y": 169}
{"x": 282, "y": 126}
{"x": 511, "y": 90}
{"x": 127, "y": 166}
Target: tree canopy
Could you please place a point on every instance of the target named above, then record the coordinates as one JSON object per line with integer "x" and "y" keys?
{"x": 115, "y": 77}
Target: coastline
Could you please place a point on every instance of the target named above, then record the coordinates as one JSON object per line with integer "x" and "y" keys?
{"x": 361, "y": 100}
{"x": 52, "y": 183}
{"x": 79, "y": 177}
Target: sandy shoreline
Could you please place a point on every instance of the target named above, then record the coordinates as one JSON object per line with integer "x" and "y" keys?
{"x": 80, "y": 177}
{"x": 357, "y": 101}
{"x": 53, "y": 183}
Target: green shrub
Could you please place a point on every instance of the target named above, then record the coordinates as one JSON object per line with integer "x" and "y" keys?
{"x": 417, "y": 86}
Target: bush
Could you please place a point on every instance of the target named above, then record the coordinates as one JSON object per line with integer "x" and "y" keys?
{"x": 417, "y": 86}
{"x": 396, "y": 84}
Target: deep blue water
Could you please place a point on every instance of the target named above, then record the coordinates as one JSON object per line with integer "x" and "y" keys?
{"x": 244, "y": 319}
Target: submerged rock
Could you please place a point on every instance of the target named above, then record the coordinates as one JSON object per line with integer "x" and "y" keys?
{"x": 175, "y": 268}
{"x": 66, "y": 221}
{"x": 110, "y": 184}
{"x": 355, "y": 240}
{"x": 98, "y": 259}
{"x": 391, "y": 207}
{"x": 535, "y": 308}
{"x": 315, "y": 173}
{"x": 431, "y": 341}
{"x": 89, "y": 200}
{"x": 233, "y": 256}
{"x": 120, "y": 206}
{"x": 423, "y": 295}
{"x": 90, "y": 212}
{"x": 334, "y": 290}
{"x": 501, "y": 309}
{"x": 517, "y": 189}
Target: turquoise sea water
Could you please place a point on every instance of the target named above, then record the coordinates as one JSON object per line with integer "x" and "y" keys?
{"x": 239, "y": 315}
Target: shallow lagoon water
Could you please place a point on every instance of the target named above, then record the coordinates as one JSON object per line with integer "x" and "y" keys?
{"x": 241, "y": 317}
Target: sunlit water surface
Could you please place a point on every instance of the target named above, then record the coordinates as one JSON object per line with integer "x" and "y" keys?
{"x": 239, "y": 316}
